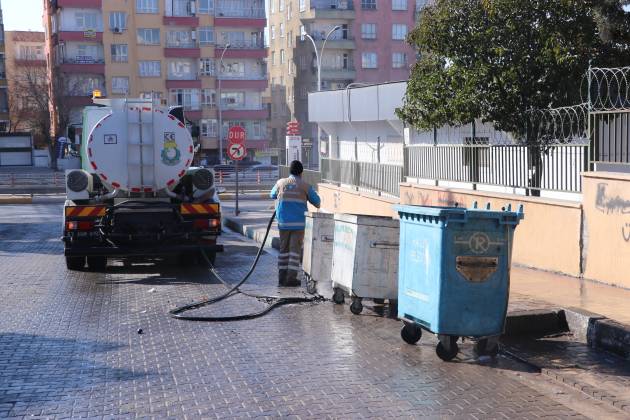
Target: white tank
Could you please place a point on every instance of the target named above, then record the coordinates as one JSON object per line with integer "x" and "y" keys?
{"x": 137, "y": 146}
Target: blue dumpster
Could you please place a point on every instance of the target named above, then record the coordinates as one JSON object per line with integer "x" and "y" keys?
{"x": 453, "y": 276}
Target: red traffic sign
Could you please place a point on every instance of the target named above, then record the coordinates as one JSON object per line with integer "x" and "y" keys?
{"x": 293, "y": 128}
{"x": 236, "y": 151}
{"x": 236, "y": 134}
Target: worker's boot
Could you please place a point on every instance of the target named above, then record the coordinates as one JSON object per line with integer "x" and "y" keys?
{"x": 282, "y": 278}
{"x": 292, "y": 279}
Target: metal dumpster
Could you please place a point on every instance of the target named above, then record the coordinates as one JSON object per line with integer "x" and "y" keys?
{"x": 365, "y": 259}
{"x": 318, "y": 250}
{"x": 454, "y": 271}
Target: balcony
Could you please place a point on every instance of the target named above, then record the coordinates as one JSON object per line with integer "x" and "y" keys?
{"x": 332, "y": 73}
{"x": 254, "y": 51}
{"x": 182, "y": 49}
{"x": 244, "y": 16}
{"x": 242, "y": 113}
{"x": 83, "y": 4}
{"x": 30, "y": 61}
{"x": 187, "y": 20}
{"x": 329, "y": 9}
{"x": 82, "y": 64}
{"x": 245, "y": 82}
{"x": 340, "y": 39}
{"x": 88, "y": 35}
{"x": 179, "y": 83}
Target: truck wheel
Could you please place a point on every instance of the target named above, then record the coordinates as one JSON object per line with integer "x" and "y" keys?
{"x": 97, "y": 263}
{"x": 75, "y": 263}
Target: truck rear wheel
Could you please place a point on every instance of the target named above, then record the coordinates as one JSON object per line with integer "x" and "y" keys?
{"x": 75, "y": 263}
{"x": 97, "y": 263}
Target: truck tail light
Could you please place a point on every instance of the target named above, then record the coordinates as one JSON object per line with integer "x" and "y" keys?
{"x": 80, "y": 225}
{"x": 205, "y": 224}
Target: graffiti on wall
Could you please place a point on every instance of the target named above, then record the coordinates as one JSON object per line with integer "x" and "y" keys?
{"x": 611, "y": 205}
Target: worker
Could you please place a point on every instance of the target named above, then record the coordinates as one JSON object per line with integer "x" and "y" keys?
{"x": 292, "y": 195}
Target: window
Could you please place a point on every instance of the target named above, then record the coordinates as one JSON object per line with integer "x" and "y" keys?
{"x": 206, "y": 7}
{"x": 30, "y": 52}
{"x": 302, "y": 5}
{"x": 233, "y": 69}
{"x": 182, "y": 69}
{"x": 180, "y": 39}
{"x": 282, "y": 30}
{"x": 148, "y": 36}
{"x": 208, "y": 98}
{"x": 303, "y": 92}
{"x": 290, "y": 39}
{"x": 147, "y": 6}
{"x": 368, "y": 4}
{"x": 87, "y": 53}
{"x": 303, "y": 62}
{"x": 149, "y": 68}
{"x": 281, "y": 5}
{"x": 273, "y": 6}
{"x": 273, "y": 31}
{"x": 86, "y": 20}
{"x": 233, "y": 100}
{"x": 273, "y": 58}
{"x": 188, "y": 98}
{"x": 151, "y": 95}
{"x": 399, "y": 31}
{"x": 368, "y": 30}
{"x": 206, "y": 35}
{"x": 206, "y": 66}
{"x": 209, "y": 128}
{"x": 399, "y": 60}
{"x": 120, "y": 85}
{"x": 399, "y": 4}
{"x": 117, "y": 21}
{"x": 369, "y": 60}
{"x": 120, "y": 53}
{"x": 289, "y": 11}
{"x": 302, "y": 32}
{"x": 281, "y": 56}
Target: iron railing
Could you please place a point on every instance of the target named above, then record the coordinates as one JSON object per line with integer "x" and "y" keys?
{"x": 311, "y": 177}
{"x": 379, "y": 178}
{"x": 554, "y": 168}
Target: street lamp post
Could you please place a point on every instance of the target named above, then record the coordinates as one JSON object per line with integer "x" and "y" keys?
{"x": 219, "y": 103}
{"x": 318, "y": 57}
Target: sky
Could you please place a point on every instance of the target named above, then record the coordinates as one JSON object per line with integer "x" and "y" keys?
{"x": 22, "y": 15}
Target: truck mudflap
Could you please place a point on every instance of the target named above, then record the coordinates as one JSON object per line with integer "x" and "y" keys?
{"x": 110, "y": 251}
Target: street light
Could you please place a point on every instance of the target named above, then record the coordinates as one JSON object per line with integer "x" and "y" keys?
{"x": 318, "y": 57}
{"x": 219, "y": 99}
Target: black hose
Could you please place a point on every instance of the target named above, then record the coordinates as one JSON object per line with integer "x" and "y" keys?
{"x": 234, "y": 290}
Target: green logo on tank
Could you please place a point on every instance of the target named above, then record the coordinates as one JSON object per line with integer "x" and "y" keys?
{"x": 170, "y": 153}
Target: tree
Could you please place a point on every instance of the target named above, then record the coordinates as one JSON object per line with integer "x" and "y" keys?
{"x": 496, "y": 59}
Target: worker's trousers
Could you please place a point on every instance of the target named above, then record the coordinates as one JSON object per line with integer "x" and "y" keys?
{"x": 290, "y": 258}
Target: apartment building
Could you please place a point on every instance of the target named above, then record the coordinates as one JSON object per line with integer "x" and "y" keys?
{"x": 25, "y": 63}
{"x": 4, "y": 94}
{"x": 205, "y": 55}
{"x": 368, "y": 46}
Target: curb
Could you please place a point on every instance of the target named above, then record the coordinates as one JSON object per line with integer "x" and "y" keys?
{"x": 600, "y": 332}
{"x": 16, "y": 199}
{"x": 254, "y": 232}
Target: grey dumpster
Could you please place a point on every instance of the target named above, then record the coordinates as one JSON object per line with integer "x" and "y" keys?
{"x": 365, "y": 259}
{"x": 318, "y": 249}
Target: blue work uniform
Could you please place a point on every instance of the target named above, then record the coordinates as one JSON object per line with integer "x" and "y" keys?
{"x": 291, "y": 194}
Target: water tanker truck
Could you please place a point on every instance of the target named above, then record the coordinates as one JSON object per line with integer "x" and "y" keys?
{"x": 137, "y": 195}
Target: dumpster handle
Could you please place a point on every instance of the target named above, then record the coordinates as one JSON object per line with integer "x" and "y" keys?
{"x": 327, "y": 238}
{"x": 375, "y": 244}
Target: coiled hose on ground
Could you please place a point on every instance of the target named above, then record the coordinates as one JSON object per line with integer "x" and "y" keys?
{"x": 233, "y": 290}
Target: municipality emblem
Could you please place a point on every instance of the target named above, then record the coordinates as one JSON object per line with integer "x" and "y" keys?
{"x": 170, "y": 153}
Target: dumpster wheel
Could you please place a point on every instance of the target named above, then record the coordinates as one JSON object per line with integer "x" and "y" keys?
{"x": 447, "y": 354}
{"x": 486, "y": 347}
{"x": 311, "y": 285}
{"x": 338, "y": 296}
{"x": 411, "y": 333}
{"x": 356, "y": 307}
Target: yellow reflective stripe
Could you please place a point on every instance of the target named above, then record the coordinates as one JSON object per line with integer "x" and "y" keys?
{"x": 199, "y": 208}
{"x": 86, "y": 211}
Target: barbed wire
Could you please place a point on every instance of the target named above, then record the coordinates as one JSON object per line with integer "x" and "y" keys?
{"x": 608, "y": 90}
{"x": 563, "y": 125}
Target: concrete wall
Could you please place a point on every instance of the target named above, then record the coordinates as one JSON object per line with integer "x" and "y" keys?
{"x": 548, "y": 238}
{"x": 607, "y": 227}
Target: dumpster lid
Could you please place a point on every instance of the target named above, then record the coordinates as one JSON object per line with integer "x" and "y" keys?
{"x": 362, "y": 219}
{"x": 461, "y": 214}
{"x": 318, "y": 215}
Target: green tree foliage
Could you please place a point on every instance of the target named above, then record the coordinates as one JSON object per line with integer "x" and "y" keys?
{"x": 496, "y": 59}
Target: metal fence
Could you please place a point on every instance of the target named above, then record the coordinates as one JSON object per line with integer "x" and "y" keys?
{"x": 554, "y": 168}
{"x": 311, "y": 177}
{"x": 378, "y": 178}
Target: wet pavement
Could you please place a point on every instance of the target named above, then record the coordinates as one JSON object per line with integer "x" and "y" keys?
{"x": 69, "y": 347}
